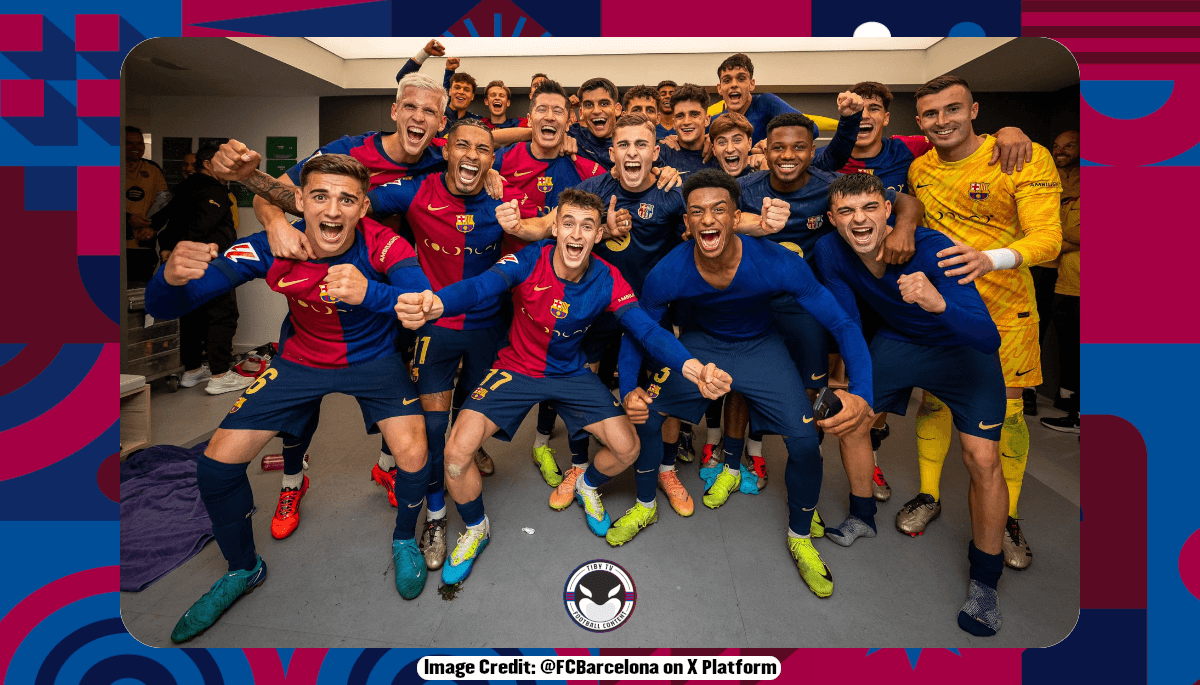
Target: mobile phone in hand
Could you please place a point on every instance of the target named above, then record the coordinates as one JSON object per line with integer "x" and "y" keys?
{"x": 827, "y": 404}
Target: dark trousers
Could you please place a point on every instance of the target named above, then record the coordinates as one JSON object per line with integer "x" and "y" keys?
{"x": 210, "y": 327}
{"x": 1066, "y": 322}
{"x": 1044, "y": 279}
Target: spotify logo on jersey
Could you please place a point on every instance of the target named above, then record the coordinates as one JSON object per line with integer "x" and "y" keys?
{"x": 599, "y": 596}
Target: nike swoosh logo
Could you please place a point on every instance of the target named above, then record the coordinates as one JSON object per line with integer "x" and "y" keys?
{"x": 826, "y": 574}
{"x": 808, "y": 419}
{"x": 414, "y": 506}
{"x": 522, "y": 173}
{"x": 815, "y": 377}
{"x": 408, "y": 402}
{"x": 989, "y": 426}
{"x": 283, "y": 284}
{"x": 1022, "y": 373}
{"x": 545, "y": 287}
{"x": 924, "y": 185}
{"x": 650, "y": 471}
{"x": 435, "y": 209}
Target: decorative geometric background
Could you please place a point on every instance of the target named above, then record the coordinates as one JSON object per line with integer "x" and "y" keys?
{"x": 59, "y": 136}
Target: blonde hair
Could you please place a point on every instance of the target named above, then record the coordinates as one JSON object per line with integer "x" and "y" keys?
{"x": 422, "y": 82}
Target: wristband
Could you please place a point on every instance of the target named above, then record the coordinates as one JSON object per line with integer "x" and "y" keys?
{"x": 420, "y": 57}
{"x": 1002, "y": 258}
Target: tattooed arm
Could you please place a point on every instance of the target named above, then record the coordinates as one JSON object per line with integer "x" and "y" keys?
{"x": 235, "y": 162}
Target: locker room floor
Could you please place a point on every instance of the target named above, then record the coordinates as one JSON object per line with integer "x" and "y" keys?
{"x": 720, "y": 578}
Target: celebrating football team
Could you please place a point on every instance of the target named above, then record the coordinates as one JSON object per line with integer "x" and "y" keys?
{"x": 710, "y": 264}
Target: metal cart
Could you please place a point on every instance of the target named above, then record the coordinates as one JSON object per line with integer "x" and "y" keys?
{"x": 151, "y": 351}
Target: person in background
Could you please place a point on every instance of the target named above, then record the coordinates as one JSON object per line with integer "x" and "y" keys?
{"x": 201, "y": 212}
{"x": 1066, "y": 290}
{"x": 144, "y": 180}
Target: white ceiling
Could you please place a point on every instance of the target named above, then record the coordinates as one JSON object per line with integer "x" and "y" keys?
{"x": 392, "y": 48}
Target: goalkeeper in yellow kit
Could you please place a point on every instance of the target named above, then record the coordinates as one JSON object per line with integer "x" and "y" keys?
{"x": 1001, "y": 225}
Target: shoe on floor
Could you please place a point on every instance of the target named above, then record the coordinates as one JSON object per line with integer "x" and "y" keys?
{"x": 483, "y": 461}
{"x": 471, "y": 544}
{"x": 917, "y": 513}
{"x": 192, "y": 378}
{"x": 543, "y": 457}
{"x": 880, "y": 489}
{"x": 718, "y": 493}
{"x": 638, "y": 517}
{"x": 433, "y": 543}
{"x": 593, "y": 509}
{"x": 709, "y": 459}
{"x": 386, "y": 480}
{"x": 677, "y": 495}
{"x": 411, "y": 573}
{"x": 1016, "y": 550}
{"x": 230, "y": 382}
{"x": 684, "y": 451}
{"x": 564, "y": 494}
{"x": 813, "y": 571}
{"x": 228, "y": 589}
{"x": 1063, "y": 424}
{"x": 758, "y": 466}
{"x": 287, "y": 512}
{"x": 816, "y": 529}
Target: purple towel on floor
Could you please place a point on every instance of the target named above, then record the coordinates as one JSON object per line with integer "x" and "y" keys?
{"x": 163, "y": 521}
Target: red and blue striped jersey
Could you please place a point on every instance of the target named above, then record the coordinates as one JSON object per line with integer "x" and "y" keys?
{"x": 657, "y": 227}
{"x": 368, "y": 149}
{"x": 320, "y": 331}
{"x": 551, "y": 316}
{"x": 456, "y": 237}
{"x": 892, "y": 162}
{"x": 543, "y": 179}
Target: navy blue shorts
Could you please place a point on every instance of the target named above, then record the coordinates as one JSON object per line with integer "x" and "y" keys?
{"x": 762, "y": 371}
{"x": 438, "y": 351}
{"x": 967, "y": 380}
{"x": 807, "y": 340}
{"x": 506, "y": 397}
{"x": 287, "y": 395}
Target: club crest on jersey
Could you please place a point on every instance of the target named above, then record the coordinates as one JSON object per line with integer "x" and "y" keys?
{"x": 814, "y": 222}
{"x": 416, "y": 373}
{"x": 559, "y": 309}
{"x": 326, "y": 297}
{"x": 238, "y": 405}
{"x": 545, "y": 183}
{"x": 978, "y": 191}
{"x": 465, "y": 223}
{"x": 653, "y": 390}
{"x": 645, "y": 210}
{"x": 241, "y": 251}
{"x": 479, "y": 393}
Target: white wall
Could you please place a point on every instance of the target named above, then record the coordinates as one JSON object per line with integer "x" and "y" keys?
{"x": 249, "y": 120}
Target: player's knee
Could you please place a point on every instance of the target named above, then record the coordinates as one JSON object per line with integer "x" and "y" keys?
{"x": 982, "y": 460}
{"x": 457, "y": 458}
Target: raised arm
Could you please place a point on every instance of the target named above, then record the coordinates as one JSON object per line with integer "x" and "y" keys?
{"x": 834, "y": 156}
{"x": 274, "y": 196}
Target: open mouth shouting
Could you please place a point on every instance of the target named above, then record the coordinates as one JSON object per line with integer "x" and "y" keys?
{"x": 862, "y": 235}
{"x": 414, "y": 135}
{"x": 548, "y": 133}
{"x": 731, "y": 163}
{"x": 632, "y": 172}
{"x": 573, "y": 252}
{"x": 733, "y": 99}
{"x": 865, "y": 130}
{"x": 331, "y": 232}
{"x": 598, "y": 125}
{"x": 709, "y": 239}
{"x": 468, "y": 173}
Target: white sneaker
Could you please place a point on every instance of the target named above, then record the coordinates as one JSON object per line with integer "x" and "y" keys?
{"x": 192, "y": 378}
{"x": 230, "y": 382}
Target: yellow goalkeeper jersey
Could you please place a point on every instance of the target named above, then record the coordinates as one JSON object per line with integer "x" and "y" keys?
{"x": 983, "y": 207}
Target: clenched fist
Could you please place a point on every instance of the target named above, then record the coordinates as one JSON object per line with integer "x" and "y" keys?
{"x": 849, "y": 102}
{"x": 508, "y": 215}
{"x": 346, "y": 283}
{"x": 188, "y": 261}
{"x": 917, "y": 289}
{"x": 775, "y": 213}
{"x": 414, "y": 309}
{"x": 234, "y": 161}
{"x": 637, "y": 406}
